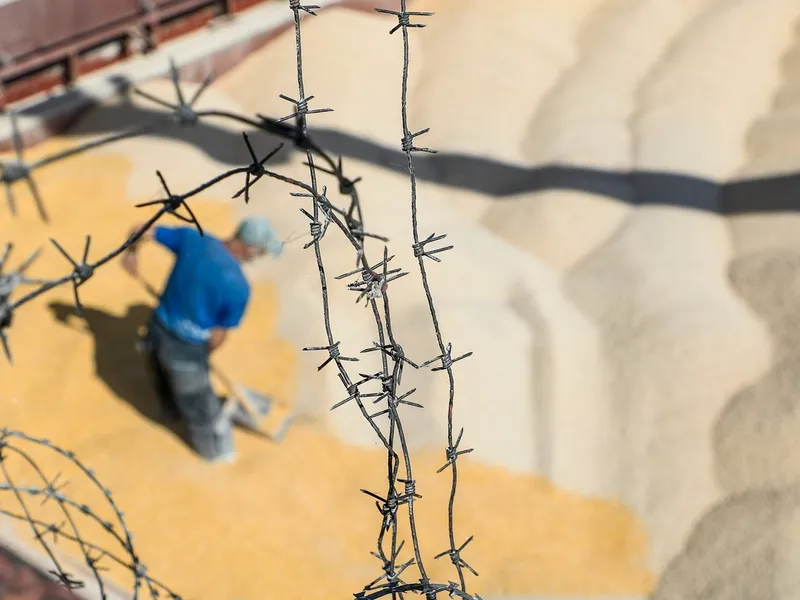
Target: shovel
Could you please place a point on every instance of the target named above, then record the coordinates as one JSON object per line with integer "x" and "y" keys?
{"x": 248, "y": 409}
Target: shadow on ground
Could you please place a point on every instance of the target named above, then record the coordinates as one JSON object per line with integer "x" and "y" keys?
{"x": 475, "y": 173}
{"x": 117, "y": 362}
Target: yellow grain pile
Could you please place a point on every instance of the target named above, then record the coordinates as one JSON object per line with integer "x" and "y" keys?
{"x": 286, "y": 519}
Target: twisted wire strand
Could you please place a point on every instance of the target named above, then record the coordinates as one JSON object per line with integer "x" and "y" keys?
{"x": 14, "y": 446}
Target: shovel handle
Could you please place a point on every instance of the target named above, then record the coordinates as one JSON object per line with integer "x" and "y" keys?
{"x": 235, "y": 396}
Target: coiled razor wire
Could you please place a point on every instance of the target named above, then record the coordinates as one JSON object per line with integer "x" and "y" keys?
{"x": 18, "y": 451}
{"x": 372, "y": 284}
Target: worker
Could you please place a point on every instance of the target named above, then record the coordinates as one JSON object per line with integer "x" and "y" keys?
{"x": 205, "y": 297}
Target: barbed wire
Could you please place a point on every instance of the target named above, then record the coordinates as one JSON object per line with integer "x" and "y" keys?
{"x": 452, "y": 451}
{"x": 17, "y": 447}
{"x": 371, "y": 283}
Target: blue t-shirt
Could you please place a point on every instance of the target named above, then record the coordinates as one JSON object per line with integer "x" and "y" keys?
{"x": 206, "y": 289}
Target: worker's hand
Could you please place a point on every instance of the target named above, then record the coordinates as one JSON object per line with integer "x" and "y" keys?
{"x": 130, "y": 262}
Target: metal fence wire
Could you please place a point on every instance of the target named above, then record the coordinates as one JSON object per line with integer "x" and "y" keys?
{"x": 54, "y": 514}
{"x": 370, "y": 280}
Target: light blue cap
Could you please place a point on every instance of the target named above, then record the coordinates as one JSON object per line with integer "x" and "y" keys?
{"x": 258, "y": 232}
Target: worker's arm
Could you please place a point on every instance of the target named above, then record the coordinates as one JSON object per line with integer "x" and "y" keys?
{"x": 218, "y": 337}
{"x": 230, "y": 315}
{"x": 146, "y": 235}
{"x": 169, "y": 237}
{"x": 130, "y": 262}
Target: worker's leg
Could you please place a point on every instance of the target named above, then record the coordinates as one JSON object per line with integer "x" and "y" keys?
{"x": 152, "y": 341}
{"x": 169, "y": 409}
{"x": 187, "y": 370}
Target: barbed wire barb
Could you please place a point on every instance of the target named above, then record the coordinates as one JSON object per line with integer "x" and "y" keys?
{"x": 82, "y": 272}
{"x": 17, "y": 170}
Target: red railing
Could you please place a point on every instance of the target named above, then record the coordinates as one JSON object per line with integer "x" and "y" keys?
{"x": 46, "y": 44}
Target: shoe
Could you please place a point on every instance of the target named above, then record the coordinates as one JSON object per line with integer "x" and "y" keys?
{"x": 224, "y": 459}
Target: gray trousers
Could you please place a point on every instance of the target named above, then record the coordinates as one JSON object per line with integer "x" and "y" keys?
{"x": 182, "y": 379}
